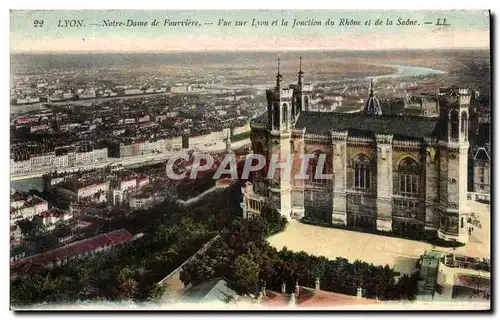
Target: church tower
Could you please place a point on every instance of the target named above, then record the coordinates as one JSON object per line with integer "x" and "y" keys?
{"x": 301, "y": 94}
{"x": 453, "y": 156}
{"x": 279, "y": 110}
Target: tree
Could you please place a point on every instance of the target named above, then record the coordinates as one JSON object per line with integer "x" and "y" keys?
{"x": 197, "y": 271}
{"x": 62, "y": 231}
{"x": 126, "y": 283}
{"x": 246, "y": 274}
{"x": 31, "y": 227}
{"x": 17, "y": 250}
{"x": 275, "y": 222}
{"x": 46, "y": 242}
{"x": 155, "y": 293}
{"x": 250, "y": 259}
{"x": 406, "y": 287}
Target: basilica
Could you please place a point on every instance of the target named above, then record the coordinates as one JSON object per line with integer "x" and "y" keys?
{"x": 402, "y": 174}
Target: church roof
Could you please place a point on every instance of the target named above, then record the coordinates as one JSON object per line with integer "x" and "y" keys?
{"x": 261, "y": 119}
{"x": 359, "y": 123}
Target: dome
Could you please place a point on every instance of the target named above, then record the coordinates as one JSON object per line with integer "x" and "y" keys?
{"x": 372, "y": 105}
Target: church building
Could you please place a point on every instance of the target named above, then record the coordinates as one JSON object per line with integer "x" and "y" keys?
{"x": 404, "y": 174}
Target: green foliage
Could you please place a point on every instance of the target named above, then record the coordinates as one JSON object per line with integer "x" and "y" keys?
{"x": 127, "y": 283}
{"x": 62, "y": 231}
{"x": 275, "y": 222}
{"x": 171, "y": 235}
{"x": 14, "y": 251}
{"x": 189, "y": 190}
{"x": 246, "y": 273}
{"x": 244, "y": 257}
{"x": 155, "y": 293}
{"x": 31, "y": 227}
{"x": 240, "y": 136}
{"x": 407, "y": 286}
{"x": 127, "y": 272}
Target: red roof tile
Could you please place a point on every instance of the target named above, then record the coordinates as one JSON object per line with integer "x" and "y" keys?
{"x": 332, "y": 299}
{"x": 71, "y": 250}
{"x": 54, "y": 212}
{"x": 315, "y": 298}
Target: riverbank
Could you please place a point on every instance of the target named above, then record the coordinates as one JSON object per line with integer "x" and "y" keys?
{"x": 130, "y": 161}
{"x": 408, "y": 71}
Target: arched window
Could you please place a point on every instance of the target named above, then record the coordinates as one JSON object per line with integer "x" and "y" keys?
{"x": 276, "y": 116}
{"x": 313, "y": 165}
{"x": 454, "y": 124}
{"x": 408, "y": 178}
{"x": 285, "y": 115}
{"x": 465, "y": 124}
{"x": 306, "y": 102}
{"x": 362, "y": 173}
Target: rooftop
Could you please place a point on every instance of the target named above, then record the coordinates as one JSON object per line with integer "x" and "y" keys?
{"x": 71, "y": 250}
{"x": 76, "y": 184}
{"x": 359, "y": 123}
{"x": 216, "y": 290}
{"x": 309, "y": 297}
{"x": 27, "y": 201}
{"x": 54, "y": 212}
{"x": 404, "y": 126}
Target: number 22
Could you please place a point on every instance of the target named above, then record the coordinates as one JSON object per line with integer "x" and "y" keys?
{"x": 38, "y": 23}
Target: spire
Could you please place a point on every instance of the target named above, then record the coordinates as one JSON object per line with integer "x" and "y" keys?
{"x": 228, "y": 141}
{"x": 372, "y": 105}
{"x": 301, "y": 74}
{"x": 278, "y": 76}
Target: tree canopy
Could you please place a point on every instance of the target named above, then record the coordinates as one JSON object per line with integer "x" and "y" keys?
{"x": 172, "y": 234}
{"x": 244, "y": 257}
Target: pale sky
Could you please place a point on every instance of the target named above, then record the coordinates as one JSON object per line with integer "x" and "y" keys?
{"x": 466, "y": 29}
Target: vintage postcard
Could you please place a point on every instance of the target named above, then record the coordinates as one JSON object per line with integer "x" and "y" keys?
{"x": 256, "y": 160}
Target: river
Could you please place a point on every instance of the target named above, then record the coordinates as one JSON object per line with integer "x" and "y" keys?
{"x": 407, "y": 71}
{"x": 28, "y": 184}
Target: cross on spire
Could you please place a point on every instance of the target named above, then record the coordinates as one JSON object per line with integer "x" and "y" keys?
{"x": 278, "y": 76}
{"x": 301, "y": 74}
{"x": 371, "y": 87}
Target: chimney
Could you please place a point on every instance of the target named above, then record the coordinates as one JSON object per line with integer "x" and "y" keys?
{"x": 283, "y": 288}
{"x": 263, "y": 289}
{"x": 292, "y": 299}
{"x": 359, "y": 293}
{"x": 297, "y": 288}
{"x": 317, "y": 284}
